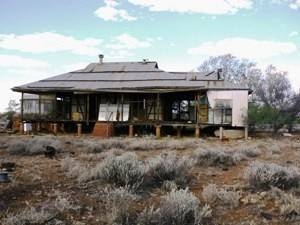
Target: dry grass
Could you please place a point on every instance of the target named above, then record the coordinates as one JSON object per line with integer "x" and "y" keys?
{"x": 213, "y": 194}
{"x": 124, "y": 170}
{"x": 205, "y": 157}
{"x": 33, "y": 146}
{"x": 117, "y": 205}
{"x": 176, "y": 207}
{"x": 265, "y": 175}
{"x": 28, "y": 216}
{"x": 46, "y": 213}
{"x": 170, "y": 167}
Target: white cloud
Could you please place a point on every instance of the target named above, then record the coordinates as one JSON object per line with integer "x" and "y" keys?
{"x": 244, "y": 47}
{"x": 49, "y": 42}
{"x": 13, "y": 61}
{"x": 126, "y": 41}
{"x": 119, "y": 54}
{"x": 215, "y": 7}
{"x": 110, "y": 12}
{"x": 75, "y": 66}
{"x": 293, "y": 34}
{"x": 295, "y": 4}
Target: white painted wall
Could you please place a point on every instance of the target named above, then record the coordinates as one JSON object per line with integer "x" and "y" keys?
{"x": 239, "y": 103}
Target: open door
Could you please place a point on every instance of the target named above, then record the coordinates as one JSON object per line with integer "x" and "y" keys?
{"x": 202, "y": 109}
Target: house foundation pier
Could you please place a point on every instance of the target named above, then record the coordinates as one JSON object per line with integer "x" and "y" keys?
{"x": 197, "y": 131}
{"x": 158, "y": 131}
{"x": 130, "y": 131}
{"x": 79, "y": 129}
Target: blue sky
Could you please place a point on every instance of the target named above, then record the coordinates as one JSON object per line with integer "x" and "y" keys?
{"x": 40, "y": 38}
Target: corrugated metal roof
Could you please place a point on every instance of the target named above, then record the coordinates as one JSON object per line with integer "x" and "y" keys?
{"x": 127, "y": 76}
{"x": 120, "y": 67}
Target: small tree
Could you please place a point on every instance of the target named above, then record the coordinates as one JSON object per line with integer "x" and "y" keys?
{"x": 11, "y": 109}
{"x": 273, "y": 100}
{"x": 13, "y": 106}
{"x": 262, "y": 114}
{"x": 236, "y": 70}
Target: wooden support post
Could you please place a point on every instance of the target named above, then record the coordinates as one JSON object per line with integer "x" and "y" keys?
{"x": 87, "y": 117}
{"x": 221, "y": 133}
{"x": 62, "y": 127}
{"x": 197, "y": 131}
{"x": 122, "y": 109}
{"x": 21, "y": 127}
{"x": 131, "y": 130}
{"x": 38, "y": 126}
{"x": 246, "y": 132}
{"x": 158, "y": 107}
{"x": 79, "y": 129}
{"x": 55, "y": 128}
{"x": 196, "y": 110}
{"x": 22, "y": 110}
{"x": 40, "y": 107}
{"x": 179, "y": 128}
{"x": 157, "y": 131}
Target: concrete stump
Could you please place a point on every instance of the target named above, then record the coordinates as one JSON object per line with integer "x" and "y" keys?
{"x": 131, "y": 131}
{"x": 158, "y": 131}
{"x": 79, "y": 129}
{"x": 197, "y": 131}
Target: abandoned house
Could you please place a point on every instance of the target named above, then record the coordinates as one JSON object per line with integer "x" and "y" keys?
{"x": 115, "y": 98}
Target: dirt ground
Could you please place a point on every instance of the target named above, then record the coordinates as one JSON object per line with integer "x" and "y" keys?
{"x": 37, "y": 180}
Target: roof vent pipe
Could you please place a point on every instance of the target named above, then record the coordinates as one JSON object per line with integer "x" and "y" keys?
{"x": 101, "y": 56}
{"x": 219, "y": 73}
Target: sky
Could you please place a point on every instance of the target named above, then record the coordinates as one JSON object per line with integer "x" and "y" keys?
{"x": 42, "y": 38}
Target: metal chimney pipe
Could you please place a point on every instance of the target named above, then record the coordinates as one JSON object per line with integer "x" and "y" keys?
{"x": 101, "y": 56}
{"x": 219, "y": 71}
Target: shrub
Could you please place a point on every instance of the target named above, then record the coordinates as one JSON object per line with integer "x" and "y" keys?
{"x": 149, "y": 216}
{"x": 213, "y": 194}
{"x": 180, "y": 144}
{"x": 28, "y": 216}
{"x": 151, "y": 144}
{"x": 123, "y": 170}
{"x": 178, "y": 207}
{"x": 167, "y": 166}
{"x": 168, "y": 185}
{"x": 146, "y": 144}
{"x": 290, "y": 207}
{"x": 206, "y": 157}
{"x": 37, "y": 145}
{"x": 63, "y": 202}
{"x": 250, "y": 151}
{"x": 17, "y": 148}
{"x": 81, "y": 172}
{"x": 117, "y": 204}
{"x": 33, "y": 146}
{"x": 288, "y": 203}
{"x": 275, "y": 149}
{"x": 251, "y": 222}
{"x": 104, "y": 145}
{"x": 265, "y": 175}
{"x": 42, "y": 214}
{"x": 72, "y": 167}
